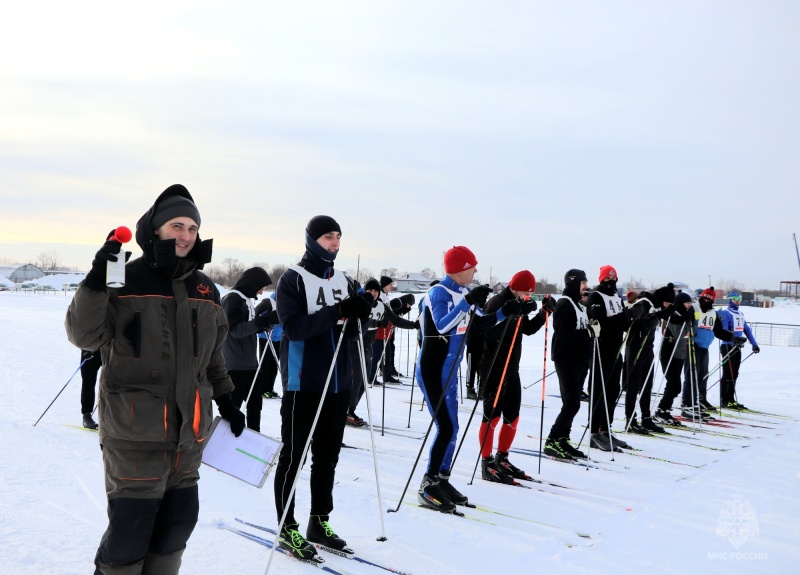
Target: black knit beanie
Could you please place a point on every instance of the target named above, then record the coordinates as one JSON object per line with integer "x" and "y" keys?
{"x": 320, "y": 225}
{"x": 174, "y": 207}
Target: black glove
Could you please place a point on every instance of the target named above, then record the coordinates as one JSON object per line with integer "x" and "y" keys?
{"x": 86, "y": 355}
{"x": 230, "y": 414}
{"x": 356, "y": 307}
{"x": 756, "y": 349}
{"x": 96, "y": 278}
{"x": 666, "y": 312}
{"x": 264, "y": 307}
{"x": 417, "y": 326}
{"x": 518, "y": 307}
{"x": 548, "y": 305}
{"x": 478, "y": 296}
{"x": 687, "y": 314}
{"x": 739, "y": 340}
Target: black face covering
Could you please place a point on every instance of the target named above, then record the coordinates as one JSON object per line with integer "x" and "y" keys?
{"x": 705, "y": 304}
{"x": 608, "y": 287}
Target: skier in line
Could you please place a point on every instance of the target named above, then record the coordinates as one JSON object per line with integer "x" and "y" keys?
{"x": 515, "y": 302}
{"x": 675, "y": 331}
{"x": 733, "y": 320}
{"x": 706, "y": 327}
{"x": 446, "y": 311}
{"x": 610, "y": 321}
{"x": 161, "y": 339}
{"x": 572, "y": 353}
{"x": 241, "y": 346}
{"x": 312, "y": 299}
{"x": 640, "y": 354}
{"x": 92, "y": 362}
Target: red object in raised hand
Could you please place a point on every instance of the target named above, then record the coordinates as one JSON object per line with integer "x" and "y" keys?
{"x": 122, "y": 235}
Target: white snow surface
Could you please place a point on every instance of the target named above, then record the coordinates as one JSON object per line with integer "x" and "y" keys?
{"x": 730, "y": 509}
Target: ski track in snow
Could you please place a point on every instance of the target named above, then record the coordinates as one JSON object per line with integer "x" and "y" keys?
{"x": 652, "y": 516}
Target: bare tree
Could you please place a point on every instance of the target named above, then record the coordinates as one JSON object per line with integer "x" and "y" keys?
{"x": 544, "y": 286}
{"x": 428, "y": 273}
{"x": 391, "y": 272}
{"x": 48, "y": 260}
{"x": 276, "y": 272}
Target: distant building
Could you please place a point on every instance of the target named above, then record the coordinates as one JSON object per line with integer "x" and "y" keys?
{"x": 499, "y": 286}
{"x": 23, "y": 273}
{"x": 413, "y": 283}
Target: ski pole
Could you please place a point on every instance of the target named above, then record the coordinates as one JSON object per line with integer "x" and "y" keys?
{"x": 605, "y": 399}
{"x": 669, "y": 362}
{"x": 413, "y": 381}
{"x": 371, "y": 431}
{"x": 591, "y": 399}
{"x": 306, "y": 447}
{"x": 500, "y": 388}
{"x": 260, "y": 361}
{"x": 724, "y": 361}
{"x": 62, "y": 389}
{"x": 544, "y": 380}
{"x": 650, "y": 370}
{"x": 538, "y": 380}
{"x": 435, "y": 410}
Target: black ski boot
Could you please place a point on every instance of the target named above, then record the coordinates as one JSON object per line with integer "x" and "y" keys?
{"x": 619, "y": 442}
{"x": 88, "y": 422}
{"x": 569, "y": 449}
{"x": 705, "y": 404}
{"x": 320, "y": 531}
{"x": 293, "y": 541}
{"x": 554, "y": 450}
{"x": 432, "y": 495}
{"x": 490, "y": 472}
{"x": 634, "y": 427}
{"x": 602, "y": 442}
{"x": 453, "y": 494}
{"x": 471, "y": 393}
{"x": 650, "y": 425}
{"x": 503, "y": 464}
{"x": 665, "y": 417}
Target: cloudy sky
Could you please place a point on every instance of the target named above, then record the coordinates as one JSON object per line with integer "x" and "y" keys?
{"x": 661, "y": 138}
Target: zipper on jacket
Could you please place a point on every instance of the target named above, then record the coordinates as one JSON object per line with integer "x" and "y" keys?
{"x": 194, "y": 331}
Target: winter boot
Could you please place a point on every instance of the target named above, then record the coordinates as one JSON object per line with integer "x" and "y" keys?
{"x": 664, "y": 416}
{"x": 634, "y": 427}
{"x": 88, "y": 422}
{"x": 705, "y": 404}
{"x": 353, "y": 420}
{"x": 553, "y": 449}
{"x": 503, "y": 464}
{"x": 294, "y": 542}
{"x": 602, "y": 442}
{"x": 569, "y": 449}
{"x": 453, "y": 494}
{"x": 490, "y": 472}
{"x": 650, "y": 425}
{"x": 432, "y": 495}
{"x": 320, "y": 531}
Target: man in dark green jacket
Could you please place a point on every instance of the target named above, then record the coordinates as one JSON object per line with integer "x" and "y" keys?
{"x": 161, "y": 338}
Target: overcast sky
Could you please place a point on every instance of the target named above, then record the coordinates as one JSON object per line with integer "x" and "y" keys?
{"x": 661, "y": 138}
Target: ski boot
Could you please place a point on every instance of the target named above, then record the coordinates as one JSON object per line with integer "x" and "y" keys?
{"x": 650, "y": 425}
{"x": 553, "y": 449}
{"x": 569, "y": 449}
{"x": 634, "y": 427}
{"x": 88, "y": 421}
{"x": 602, "y": 442}
{"x": 490, "y": 472}
{"x": 432, "y": 495}
{"x": 293, "y": 541}
{"x": 453, "y": 494}
{"x": 502, "y": 463}
{"x": 320, "y": 531}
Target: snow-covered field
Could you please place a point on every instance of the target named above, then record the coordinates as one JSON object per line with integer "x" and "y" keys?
{"x": 726, "y": 502}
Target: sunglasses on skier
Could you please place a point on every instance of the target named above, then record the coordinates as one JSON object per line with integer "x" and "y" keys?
{"x": 737, "y": 298}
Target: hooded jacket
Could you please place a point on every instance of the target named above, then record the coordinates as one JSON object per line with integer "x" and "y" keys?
{"x": 161, "y": 339}
{"x": 241, "y": 346}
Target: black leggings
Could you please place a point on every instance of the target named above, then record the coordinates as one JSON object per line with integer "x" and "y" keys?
{"x": 611, "y": 373}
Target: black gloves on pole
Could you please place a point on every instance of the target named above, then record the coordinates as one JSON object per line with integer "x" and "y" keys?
{"x": 356, "y": 307}
{"x": 517, "y": 307}
{"x": 229, "y": 413}
{"x": 478, "y": 295}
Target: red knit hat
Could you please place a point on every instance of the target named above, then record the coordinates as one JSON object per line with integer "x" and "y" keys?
{"x": 709, "y": 293}
{"x": 459, "y": 258}
{"x": 523, "y": 281}
{"x": 631, "y": 296}
{"x": 605, "y": 273}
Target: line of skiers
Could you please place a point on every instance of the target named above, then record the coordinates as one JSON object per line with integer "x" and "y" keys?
{"x": 168, "y": 349}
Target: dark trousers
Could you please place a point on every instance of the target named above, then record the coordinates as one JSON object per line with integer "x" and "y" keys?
{"x": 377, "y": 357}
{"x": 695, "y": 370}
{"x": 611, "y": 372}
{"x": 508, "y": 403}
{"x": 358, "y": 380}
{"x": 89, "y": 378}
{"x": 640, "y": 379}
{"x": 242, "y": 381}
{"x": 730, "y": 373}
{"x": 570, "y": 382}
{"x": 298, "y": 409}
{"x": 672, "y": 373}
{"x": 269, "y": 366}
{"x": 474, "y": 353}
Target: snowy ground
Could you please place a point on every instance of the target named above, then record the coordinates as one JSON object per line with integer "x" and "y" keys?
{"x": 641, "y": 515}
